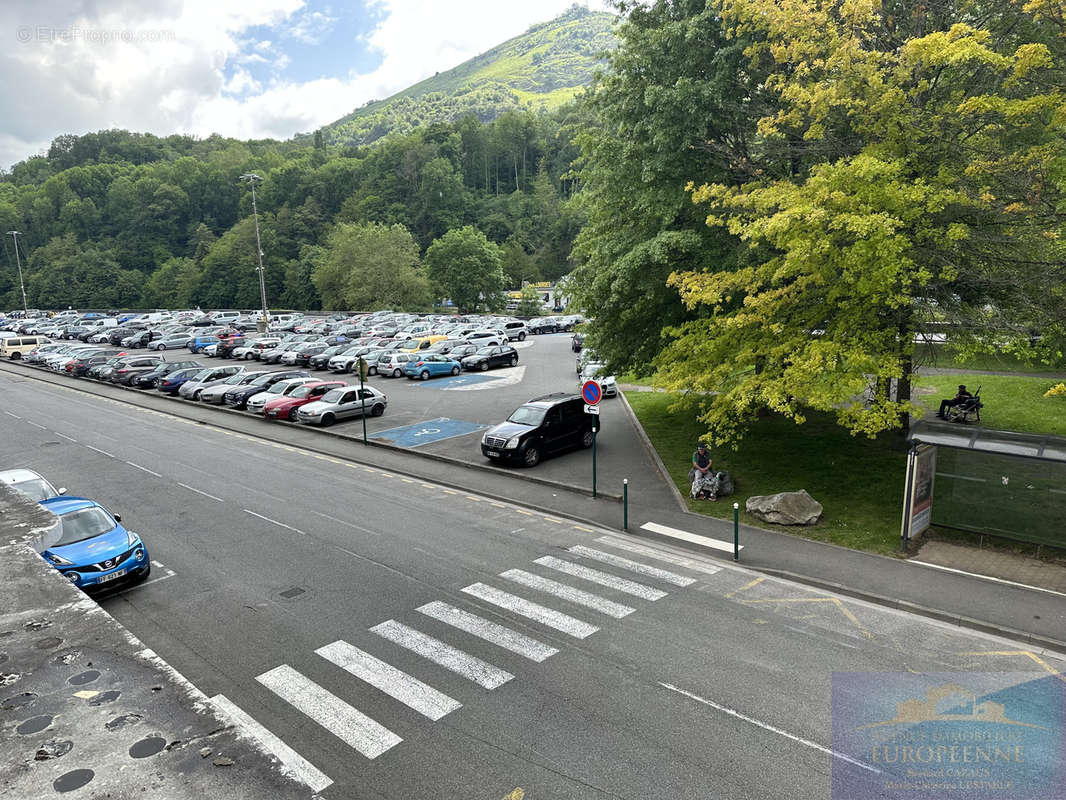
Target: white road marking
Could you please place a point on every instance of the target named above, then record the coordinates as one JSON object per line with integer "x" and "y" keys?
{"x": 538, "y": 613}
{"x": 675, "y": 533}
{"x": 470, "y": 667}
{"x": 771, "y": 728}
{"x": 144, "y": 469}
{"x": 98, "y": 450}
{"x": 205, "y": 494}
{"x": 632, "y": 566}
{"x": 16, "y": 416}
{"x": 396, "y": 683}
{"x": 659, "y": 555}
{"x": 348, "y": 724}
{"x": 489, "y": 631}
{"x": 568, "y": 593}
{"x": 986, "y": 577}
{"x": 602, "y": 578}
{"x": 34, "y": 424}
{"x": 511, "y": 376}
{"x": 293, "y": 764}
{"x": 275, "y": 522}
{"x": 68, "y": 438}
{"x": 349, "y": 524}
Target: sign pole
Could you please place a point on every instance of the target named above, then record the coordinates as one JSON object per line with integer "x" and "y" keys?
{"x": 592, "y": 394}
{"x": 594, "y": 431}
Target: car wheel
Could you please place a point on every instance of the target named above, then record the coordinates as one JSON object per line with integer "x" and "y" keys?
{"x": 396, "y": 373}
{"x": 514, "y": 361}
{"x": 587, "y": 439}
{"x": 455, "y": 370}
{"x": 16, "y": 356}
{"x": 424, "y": 375}
{"x": 372, "y": 371}
{"x": 199, "y": 351}
{"x": 377, "y": 410}
{"x": 521, "y": 337}
{"x": 160, "y": 347}
{"x": 531, "y": 455}
{"x": 327, "y": 420}
{"x": 484, "y": 366}
{"x": 248, "y": 356}
{"x": 196, "y": 395}
{"x": 292, "y": 415}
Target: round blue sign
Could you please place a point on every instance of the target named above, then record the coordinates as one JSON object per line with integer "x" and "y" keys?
{"x": 590, "y": 390}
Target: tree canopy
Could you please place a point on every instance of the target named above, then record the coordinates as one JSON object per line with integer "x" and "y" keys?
{"x": 467, "y": 269}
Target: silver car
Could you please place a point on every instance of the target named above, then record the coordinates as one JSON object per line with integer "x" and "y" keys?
{"x": 210, "y": 376}
{"x": 342, "y": 403}
{"x": 280, "y": 389}
{"x": 215, "y": 394}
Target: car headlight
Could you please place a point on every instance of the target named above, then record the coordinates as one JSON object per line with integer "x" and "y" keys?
{"x": 512, "y": 443}
{"x": 59, "y": 561}
{"x": 73, "y": 577}
{"x": 131, "y": 538}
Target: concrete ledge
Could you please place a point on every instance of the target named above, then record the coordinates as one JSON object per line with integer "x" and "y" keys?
{"x": 84, "y": 702}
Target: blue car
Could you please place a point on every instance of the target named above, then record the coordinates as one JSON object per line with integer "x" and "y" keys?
{"x": 198, "y": 343}
{"x": 430, "y": 365}
{"x": 94, "y": 551}
{"x": 172, "y": 382}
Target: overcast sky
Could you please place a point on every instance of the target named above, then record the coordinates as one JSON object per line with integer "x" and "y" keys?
{"x": 242, "y": 68}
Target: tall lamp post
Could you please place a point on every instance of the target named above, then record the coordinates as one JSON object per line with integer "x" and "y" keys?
{"x": 251, "y": 177}
{"x": 15, "y": 237}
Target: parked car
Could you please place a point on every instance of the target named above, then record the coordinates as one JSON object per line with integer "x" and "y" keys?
{"x": 430, "y": 365}
{"x": 239, "y": 396}
{"x": 94, "y": 551}
{"x": 577, "y": 341}
{"x": 321, "y": 360}
{"x": 172, "y": 382}
{"x": 285, "y": 407}
{"x": 392, "y": 363}
{"x": 485, "y": 338}
{"x": 258, "y": 401}
{"x": 151, "y": 379}
{"x": 132, "y": 367}
{"x": 594, "y": 370}
{"x": 206, "y": 378}
{"x": 14, "y": 346}
{"x": 83, "y": 364}
{"x": 172, "y": 341}
{"x": 103, "y": 371}
{"x": 486, "y": 357}
{"x": 252, "y": 349}
{"x": 343, "y": 402}
{"x": 215, "y": 395}
{"x": 228, "y": 341}
{"x": 301, "y": 354}
{"x": 200, "y": 341}
{"x": 31, "y": 484}
{"x": 515, "y": 330}
{"x": 544, "y": 426}
{"x": 542, "y": 325}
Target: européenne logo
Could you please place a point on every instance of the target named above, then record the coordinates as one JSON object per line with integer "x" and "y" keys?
{"x": 940, "y": 736}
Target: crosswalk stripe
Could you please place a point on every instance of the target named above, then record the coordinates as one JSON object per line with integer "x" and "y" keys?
{"x": 537, "y": 613}
{"x": 632, "y": 566}
{"x": 348, "y": 724}
{"x": 489, "y": 631}
{"x": 659, "y": 555}
{"x": 602, "y": 578}
{"x": 568, "y": 593}
{"x": 470, "y": 667}
{"x": 293, "y": 763}
{"x": 394, "y": 682}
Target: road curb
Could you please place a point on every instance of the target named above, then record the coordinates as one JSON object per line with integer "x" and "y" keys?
{"x": 650, "y": 449}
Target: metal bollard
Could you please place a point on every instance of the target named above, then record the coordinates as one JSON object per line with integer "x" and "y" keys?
{"x": 625, "y": 504}
{"x": 736, "y": 531}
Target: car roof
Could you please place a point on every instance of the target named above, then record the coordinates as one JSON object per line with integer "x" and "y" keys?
{"x": 552, "y": 399}
{"x": 66, "y": 504}
{"x": 18, "y": 475}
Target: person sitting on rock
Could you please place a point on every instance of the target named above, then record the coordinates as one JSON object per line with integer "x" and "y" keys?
{"x": 957, "y": 400}
{"x": 704, "y": 479}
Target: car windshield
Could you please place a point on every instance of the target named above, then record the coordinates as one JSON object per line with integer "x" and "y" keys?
{"x": 263, "y": 379}
{"x": 300, "y": 391}
{"x": 77, "y": 526}
{"x": 201, "y": 375}
{"x": 333, "y": 395}
{"x": 35, "y": 489}
{"x": 238, "y": 379}
{"x": 528, "y": 415}
{"x": 288, "y": 389}
{"x": 485, "y": 351}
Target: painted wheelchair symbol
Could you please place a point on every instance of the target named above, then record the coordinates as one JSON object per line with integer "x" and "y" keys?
{"x": 426, "y": 432}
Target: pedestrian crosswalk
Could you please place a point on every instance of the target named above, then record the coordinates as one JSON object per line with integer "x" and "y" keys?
{"x": 464, "y": 629}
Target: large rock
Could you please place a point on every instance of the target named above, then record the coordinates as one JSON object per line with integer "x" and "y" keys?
{"x": 785, "y": 508}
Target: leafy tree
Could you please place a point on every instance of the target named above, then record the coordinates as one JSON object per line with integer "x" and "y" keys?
{"x": 300, "y": 291}
{"x": 174, "y": 285}
{"x": 529, "y": 302}
{"x": 900, "y": 178}
{"x": 66, "y": 273}
{"x": 466, "y": 267}
{"x": 230, "y": 277}
{"x": 370, "y": 267}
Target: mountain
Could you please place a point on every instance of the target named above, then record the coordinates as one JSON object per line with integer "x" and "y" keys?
{"x": 543, "y": 68}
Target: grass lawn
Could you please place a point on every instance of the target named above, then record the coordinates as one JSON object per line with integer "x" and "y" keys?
{"x": 933, "y": 355}
{"x": 858, "y": 481}
{"x": 1010, "y": 403}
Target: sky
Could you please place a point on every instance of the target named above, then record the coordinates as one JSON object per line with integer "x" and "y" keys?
{"x": 240, "y": 68}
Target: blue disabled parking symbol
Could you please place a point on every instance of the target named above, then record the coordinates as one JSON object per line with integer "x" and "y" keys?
{"x": 455, "y": 381}
{"x": 432, "y": 430}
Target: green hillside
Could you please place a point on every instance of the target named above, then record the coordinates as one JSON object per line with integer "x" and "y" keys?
{"x": 542, "y": 69}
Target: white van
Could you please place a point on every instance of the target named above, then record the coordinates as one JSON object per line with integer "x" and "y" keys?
{"x": 14, "y": 346}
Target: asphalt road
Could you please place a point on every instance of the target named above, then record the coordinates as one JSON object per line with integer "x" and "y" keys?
{"x": 700, "y": 680}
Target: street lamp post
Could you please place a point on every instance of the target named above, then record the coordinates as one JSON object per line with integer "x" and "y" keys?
{"x": 14, "y": 236}
{"x": 251, "y": 177}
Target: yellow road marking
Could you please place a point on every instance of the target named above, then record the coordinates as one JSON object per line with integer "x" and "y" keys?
{"x": 1026, "y": 653}
{"x": 518, "y": 793}
{"x": 86, "y": 694}
{"x": 833, "y": 600}
{"x": 527, "y": 513}
{"x": 475, "y": 499}
{"x": 746, "y": 586}
{"x": 582, "y": 528}
{"x": 407, "y": 480}
{"x": 553, "y": 519}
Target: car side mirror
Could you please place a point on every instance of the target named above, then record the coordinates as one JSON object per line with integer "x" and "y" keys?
{"x": 118, "y": 517}
{"x": 62, "y": 490}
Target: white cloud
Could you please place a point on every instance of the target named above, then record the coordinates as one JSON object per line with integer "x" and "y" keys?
{"x": 161, "y": 66}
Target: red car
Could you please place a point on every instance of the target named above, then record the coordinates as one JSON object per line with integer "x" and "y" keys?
{"x": 285, "y": 407}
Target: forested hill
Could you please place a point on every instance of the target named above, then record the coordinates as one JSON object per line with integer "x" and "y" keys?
{"x": 542, "y": 69}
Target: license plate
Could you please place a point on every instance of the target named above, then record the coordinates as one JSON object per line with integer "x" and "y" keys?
{"x": 492, "y": 454}
{"x": 118, "y": 573}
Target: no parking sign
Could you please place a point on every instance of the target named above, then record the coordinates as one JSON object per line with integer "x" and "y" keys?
{"x": 591, "y": 391}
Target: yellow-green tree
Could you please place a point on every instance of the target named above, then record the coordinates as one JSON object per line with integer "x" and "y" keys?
{"x": 906, "y": 177}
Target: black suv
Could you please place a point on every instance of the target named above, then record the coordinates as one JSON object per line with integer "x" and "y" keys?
{"x": 544, "y": 426}
{"x": 228, "y": 341}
